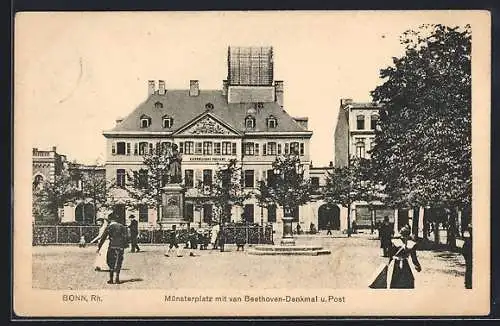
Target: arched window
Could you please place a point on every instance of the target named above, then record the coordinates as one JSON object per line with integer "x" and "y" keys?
{"x": 167, "y": 122}
{"x": 158, "y": 105}
{"x": 360, "y": 122}
{"x": 272, "y": 122}
{"x": 143, "y": 148}
{"x": 249, "y": 122}
{"x": 373, "y": 121}
{"x": 145, "y": 121}
{"x": 37, "y": 182}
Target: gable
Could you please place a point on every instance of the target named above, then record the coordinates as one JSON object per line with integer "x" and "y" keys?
{"x": 206, "y": 125}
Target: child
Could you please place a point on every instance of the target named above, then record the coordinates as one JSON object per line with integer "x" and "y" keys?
{"x": 82, "y": 242}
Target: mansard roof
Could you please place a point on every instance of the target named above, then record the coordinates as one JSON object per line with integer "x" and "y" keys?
{"x": 184, "y": 108}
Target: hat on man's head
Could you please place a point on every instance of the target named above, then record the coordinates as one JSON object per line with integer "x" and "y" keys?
{"x": 131, "y": 216}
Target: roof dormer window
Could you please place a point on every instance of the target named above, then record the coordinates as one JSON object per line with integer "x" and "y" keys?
{"x": 249, "y": 122}
{"x": 272, "y": 122}
{"x": 145, "y": 121}
{"x": 167, "y": 122}
{"x": 158, "y": 105}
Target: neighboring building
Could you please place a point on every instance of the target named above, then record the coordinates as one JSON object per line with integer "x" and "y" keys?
{"x": 48, "y": 164}
{"x": 355, "y": 137}
{"x": 355, "y": 130}
{"x": 245, "y": 120}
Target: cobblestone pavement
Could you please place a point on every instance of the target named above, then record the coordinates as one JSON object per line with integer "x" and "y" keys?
{"x": 350, "y": 265}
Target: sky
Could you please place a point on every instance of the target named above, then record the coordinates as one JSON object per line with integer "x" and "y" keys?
{"x": 75, "y": 73}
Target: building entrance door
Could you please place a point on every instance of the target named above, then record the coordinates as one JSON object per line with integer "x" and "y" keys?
{"x": 328, "y": 214}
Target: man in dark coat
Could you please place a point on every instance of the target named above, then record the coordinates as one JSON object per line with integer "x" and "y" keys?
{"x": 118, "y": 241}
{"x": 385, "y": 234}
{"x": 173, "y": 242}
{"x": 134, "y": 233}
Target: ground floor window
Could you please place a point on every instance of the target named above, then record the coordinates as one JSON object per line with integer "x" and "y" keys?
{"x": 207, "y": 213}
{"x": 248, "y": 213}
{"x": 271, "y": 213}
{"x": 143, "y": 213}
{"x": 189, "y": 212}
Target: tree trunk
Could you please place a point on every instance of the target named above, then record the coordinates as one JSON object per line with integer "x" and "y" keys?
{"x": 426, "y": 223}
{"x": 436, "y": 232}
{"x": 452, "y": 228}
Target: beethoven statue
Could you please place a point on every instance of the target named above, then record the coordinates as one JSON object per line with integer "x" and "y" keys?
{"x": 174, "y": 173}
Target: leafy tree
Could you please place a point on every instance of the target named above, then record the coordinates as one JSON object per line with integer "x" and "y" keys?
{"x": 52, "y": 195}
{"x": 224, "y": 192}
{"x": 351, "y": 183}
{"x": 422, "y": 150}
{"x": 288, "y": 187}
{"x": 145, "y": 186}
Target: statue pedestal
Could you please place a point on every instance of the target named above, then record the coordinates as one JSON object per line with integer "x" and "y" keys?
{"x": 172, "y": 205}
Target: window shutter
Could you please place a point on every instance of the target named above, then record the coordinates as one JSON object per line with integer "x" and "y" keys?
{"x": 287, "y": 148}
{"x": 150, "y": 148}
{"x": 279, "y": 149}
{"x": 264, "y": 149}
{"x": 257, "y": 149}
{"x": 301, "y": 148}
{"x": 233, "y": 151}
{"x": 136, "y": 149}
{"x": 181, "y": 147}
{"x": 128, "y": 148}
{"x": 113, "y": 148}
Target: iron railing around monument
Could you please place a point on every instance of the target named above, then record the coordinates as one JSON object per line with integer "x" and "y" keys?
{"x": 59, "y": 234}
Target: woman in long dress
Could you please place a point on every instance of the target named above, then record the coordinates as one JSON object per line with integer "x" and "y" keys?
{"x": 398, "y": 272}
{"x": 100, "y": 263}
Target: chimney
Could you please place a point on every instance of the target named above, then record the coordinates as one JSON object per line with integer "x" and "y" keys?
{"x": 35, "y": 150}
{"x": 161, "y": 87}
{"x": 151, "y": 87}
{"x": 54, "y": 149}
{"x": 225, "y": 85}
{"x": 118, "y": 120}
{"x": 345, "y": 101}
{"x": 278, "y": 90}
{"x": 194, "y": 88}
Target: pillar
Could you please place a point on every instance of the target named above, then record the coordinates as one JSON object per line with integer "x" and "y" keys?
{"x": 421, "y": 222}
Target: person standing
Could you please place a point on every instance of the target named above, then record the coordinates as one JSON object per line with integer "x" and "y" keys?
{"x": 118, "y": 241}
{"x": 329, "y": 228}
{"x": 134, "y": 233}
{"x": 172, "y": 239}
{"x": 467, "y": 253}
{"x": 385, "y": 234}
{"x": 100, "y": 263}
{"x": 400, "y": 271}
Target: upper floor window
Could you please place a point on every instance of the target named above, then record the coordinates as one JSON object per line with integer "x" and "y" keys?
{"x": 198, "y": 149}
{"x": 272, "y": 122}
{"x": 250, "y": 122}
{"x": 271, "y": 148}
{"x": 167, "y": 122}
{"x": 249, "y": 149}
{"x": 216, "y": 148}
{"x": 226, "y": 148}
{"x": 207, "y": 177}
{"x": 158, "y": 105}
{"x": 145, "y": 121}
{"x": 188, "y": 147}
{"x": 121, "y": 148}
{"x": 145, "y": 148}
{"x": 120, "y": 177}
{"x": 373, "y": 121}
{"x": 142, "y": 178}
{"x": 207, "y": 148}
{"x": 360, "y": 122}
{"x": 294, "y": 148}
{"x": 301, "y": 151}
